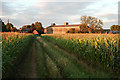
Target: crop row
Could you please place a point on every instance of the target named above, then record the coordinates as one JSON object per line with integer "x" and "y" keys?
{"x": 14, "y": 47}
{"x": 104, "y": 51}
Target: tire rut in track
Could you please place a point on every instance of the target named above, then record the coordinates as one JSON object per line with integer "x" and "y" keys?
{"x": 33, "y": 73}
{"x": 51, "y": 67}
{"x": 27, "y": 68}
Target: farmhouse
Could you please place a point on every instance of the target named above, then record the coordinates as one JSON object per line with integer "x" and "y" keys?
{"x": 61, "y": 29}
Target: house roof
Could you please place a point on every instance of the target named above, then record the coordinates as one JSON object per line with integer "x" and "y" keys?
{"x": 35, "y": 32}
{"x": 65, "y": 25}
{"x": 20, "y": 29}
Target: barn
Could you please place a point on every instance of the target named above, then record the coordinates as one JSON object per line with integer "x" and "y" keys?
{"x": 61, "y": 29}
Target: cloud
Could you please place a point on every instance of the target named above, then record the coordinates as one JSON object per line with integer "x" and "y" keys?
{"x": 51, "y": 0}
{"x": 50, "y": 12}
{"x": 27, "y": 12}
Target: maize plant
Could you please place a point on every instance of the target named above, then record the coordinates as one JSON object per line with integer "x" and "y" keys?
{"x": 14, "y": 46}
{"x": 103, "y": 50}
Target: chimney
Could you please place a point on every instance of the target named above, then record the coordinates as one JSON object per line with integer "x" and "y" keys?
{"x": 65, "y": 23}
{"x": 8, "y": 20}
{"x": 53, "y": 24}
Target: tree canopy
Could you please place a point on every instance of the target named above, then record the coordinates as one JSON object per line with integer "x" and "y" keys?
{"x": 8, "y": 27}
{"x": 115, "y": 28}
{"x": 34, "y": 26}
{"x": 4, "y": 29}
{"x": 91, "y": 24}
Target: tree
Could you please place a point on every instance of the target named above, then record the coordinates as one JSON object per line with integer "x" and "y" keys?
{"x": 72, "y": 30}
{"x": 115, "y": 28}
{"x": 84, "y": 28}
{"x": 92, "y": 24}
{"x": 3, "y": 27}
{"x": 98, "y": 26}
{"x": 32, "y": 27}
{"x": 9, "y": 26}
{"x": 15, "y": 29}
{"x": 98, "y": 29}
{"x": 28, "y": 26}
{"x": 39, "y": 27}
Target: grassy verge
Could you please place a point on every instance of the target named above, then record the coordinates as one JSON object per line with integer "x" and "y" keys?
{"x": 40, "y": 61}
{"x": 52, "y": 68}
{"x": 45, "y": 65}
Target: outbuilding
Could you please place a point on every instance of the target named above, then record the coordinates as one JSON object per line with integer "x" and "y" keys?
{"x": 35, "y": 32}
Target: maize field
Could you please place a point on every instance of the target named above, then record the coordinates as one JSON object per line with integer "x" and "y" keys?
{"x": 60, "y": 56}
{"x": 101, "y": 50}
{"x": 13, "y": 49}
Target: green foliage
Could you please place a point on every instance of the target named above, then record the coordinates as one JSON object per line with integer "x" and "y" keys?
{"x": 32, "y": 27}
{"x": 93, "y": 23}
{"x": 13, "y": 49}
{"x": 115, "y": 28}
{"x": 45, "y": 65}
{"x": 37, "y": 26}
{"x": 73, "y": 30}
{"x": 84, "y": 28}
{"x": 8, "y": 27}
{"x": 40, "y": 61}
{"x": 4, "y": 29}
{"x": 65, "y": 63}
{"x": 104, "y": 51}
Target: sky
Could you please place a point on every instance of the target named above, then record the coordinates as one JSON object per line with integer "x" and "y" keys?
{"x": 26, "y": 12}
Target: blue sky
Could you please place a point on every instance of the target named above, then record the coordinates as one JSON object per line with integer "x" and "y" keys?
{"x": 23, "y": 12}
